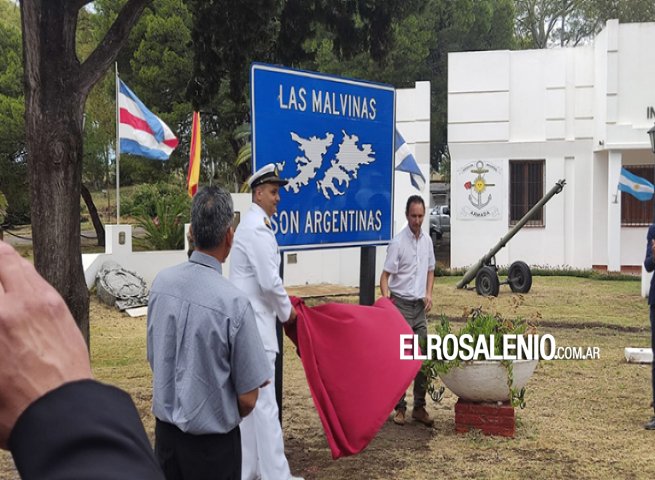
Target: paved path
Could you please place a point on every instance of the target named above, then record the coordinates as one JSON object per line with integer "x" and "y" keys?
{"x": 22, "y": 236}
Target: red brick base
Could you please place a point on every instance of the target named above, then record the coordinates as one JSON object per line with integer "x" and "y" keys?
{"x": 490, "y": 418}
{"x": 625, "y": 269}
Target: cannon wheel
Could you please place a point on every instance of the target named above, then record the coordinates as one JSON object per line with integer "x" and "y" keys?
{"x": 519, "y": 277}
{"x": 486, "y": 282}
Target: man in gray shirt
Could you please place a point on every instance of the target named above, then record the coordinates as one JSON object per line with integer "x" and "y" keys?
{"x": 206, "y": 356}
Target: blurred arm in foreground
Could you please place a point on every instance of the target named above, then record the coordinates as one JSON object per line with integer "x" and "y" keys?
{"x": 54, "y": 418}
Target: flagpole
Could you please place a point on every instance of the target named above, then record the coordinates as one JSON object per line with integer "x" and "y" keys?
{"x": 118, "y": 151}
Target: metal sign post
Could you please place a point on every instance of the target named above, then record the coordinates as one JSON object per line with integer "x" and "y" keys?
{"x": 367, "y": 276}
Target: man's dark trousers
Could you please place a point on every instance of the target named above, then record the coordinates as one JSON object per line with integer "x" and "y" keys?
{"x": 183, "y": 456}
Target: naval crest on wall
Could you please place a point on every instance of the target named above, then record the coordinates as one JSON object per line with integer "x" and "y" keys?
{"x": 478, "y": 188}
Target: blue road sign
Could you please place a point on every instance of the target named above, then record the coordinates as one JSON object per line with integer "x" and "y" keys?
{"x": 332, "y": 138}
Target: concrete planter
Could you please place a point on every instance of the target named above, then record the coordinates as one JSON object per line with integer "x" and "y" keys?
{"x": 486, "y": 381}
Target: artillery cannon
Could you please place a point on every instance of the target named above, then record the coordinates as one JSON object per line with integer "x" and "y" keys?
{"x": 519, "y": 277}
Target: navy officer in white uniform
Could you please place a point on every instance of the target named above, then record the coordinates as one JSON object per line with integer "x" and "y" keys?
{"x": 255, "y": 269}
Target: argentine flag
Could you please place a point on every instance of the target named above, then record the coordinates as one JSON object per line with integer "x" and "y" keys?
{"x": 405, "y": 162}
{"x": 638, "y": 187}
{"x": 140, "y": 131}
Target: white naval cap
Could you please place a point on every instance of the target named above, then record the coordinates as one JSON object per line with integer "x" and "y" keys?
{"x": 266, "y": 174}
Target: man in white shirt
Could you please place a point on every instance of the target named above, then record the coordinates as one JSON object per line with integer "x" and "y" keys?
{"x": 255, "y": 269}
{"x": 408, "y": 278}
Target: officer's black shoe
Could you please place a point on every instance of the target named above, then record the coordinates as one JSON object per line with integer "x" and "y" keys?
{"x": 650, "y": 425}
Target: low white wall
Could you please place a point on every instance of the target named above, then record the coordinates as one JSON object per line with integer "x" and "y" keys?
{"x": 119, "y": 249}
{"x": 338, "y": 266}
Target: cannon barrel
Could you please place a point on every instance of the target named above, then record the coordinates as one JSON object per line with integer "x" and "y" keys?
{"x": 471, "y": 272}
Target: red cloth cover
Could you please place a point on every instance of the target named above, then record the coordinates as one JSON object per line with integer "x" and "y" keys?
{"x": 351, "y": 356}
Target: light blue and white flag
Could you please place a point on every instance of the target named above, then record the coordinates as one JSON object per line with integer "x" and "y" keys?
{"x": 638, "y": 187}
{"x": 405, "y": 162}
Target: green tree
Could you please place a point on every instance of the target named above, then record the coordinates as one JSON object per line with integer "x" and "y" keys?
{"x": 13, "y": 167}
{"x": 98, "y": 126}
{"x": 419, "y": 49}
{"x": 537, "y": 20}
{"x": 228, "y": 36}
{"x": 160, "y": 71}
{"x": 99, "y": 111}
{"x": 545, "y": 23}
{"x": 156, "y": 64}
{"x": 276, "y": 33}
{"x": 161, "y": 64}
{"x": 466, "y": 25}
{"x": 57, "y": 85}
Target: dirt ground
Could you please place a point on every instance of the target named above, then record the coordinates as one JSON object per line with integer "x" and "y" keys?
{"x": 583, "y": 418}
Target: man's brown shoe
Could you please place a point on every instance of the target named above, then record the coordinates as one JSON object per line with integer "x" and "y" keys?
{"x": 421, "y": 415}
{"x": 399, "y": 417}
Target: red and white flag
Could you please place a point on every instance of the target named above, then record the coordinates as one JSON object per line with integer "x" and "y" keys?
{"x": 141, "y": 132}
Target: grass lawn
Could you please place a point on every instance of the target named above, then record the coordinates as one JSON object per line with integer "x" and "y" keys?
{"x": 583, "y": 418}
{"x": 554, "y": 300}
{"x": 105, "y": 202}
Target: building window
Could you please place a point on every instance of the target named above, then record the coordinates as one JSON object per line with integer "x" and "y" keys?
{"x": 526, "y": 187}
{"x": 635, "y": 212}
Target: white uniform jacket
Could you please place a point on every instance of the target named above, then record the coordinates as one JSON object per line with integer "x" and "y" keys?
{"x": 255, "y": 269}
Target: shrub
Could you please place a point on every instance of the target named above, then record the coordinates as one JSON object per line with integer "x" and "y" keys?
{"x": 165, "y": 229}
{"x": 161, "y": 210}
{"x": 15, "y": 187}
{"x": 144, "y": 198}
{"x": 136, "y": 170}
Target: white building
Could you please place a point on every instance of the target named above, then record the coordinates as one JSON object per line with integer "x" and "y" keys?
{"x": 518, "y": 121}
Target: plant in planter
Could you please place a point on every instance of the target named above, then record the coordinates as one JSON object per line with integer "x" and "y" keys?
{"x": 164, "y": 222}
{"x": 481, "y": 380}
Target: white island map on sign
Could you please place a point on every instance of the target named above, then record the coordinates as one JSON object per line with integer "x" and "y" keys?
{"x": 344, "y": 166}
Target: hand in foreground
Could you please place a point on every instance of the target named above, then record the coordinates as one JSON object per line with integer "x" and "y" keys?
{"x": 41, "y": 346}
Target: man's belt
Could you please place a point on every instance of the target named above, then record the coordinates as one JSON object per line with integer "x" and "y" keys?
{"x": 410, "y": 302}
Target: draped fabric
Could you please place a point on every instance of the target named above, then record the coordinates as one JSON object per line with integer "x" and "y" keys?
{"x": 351, "y": 357}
